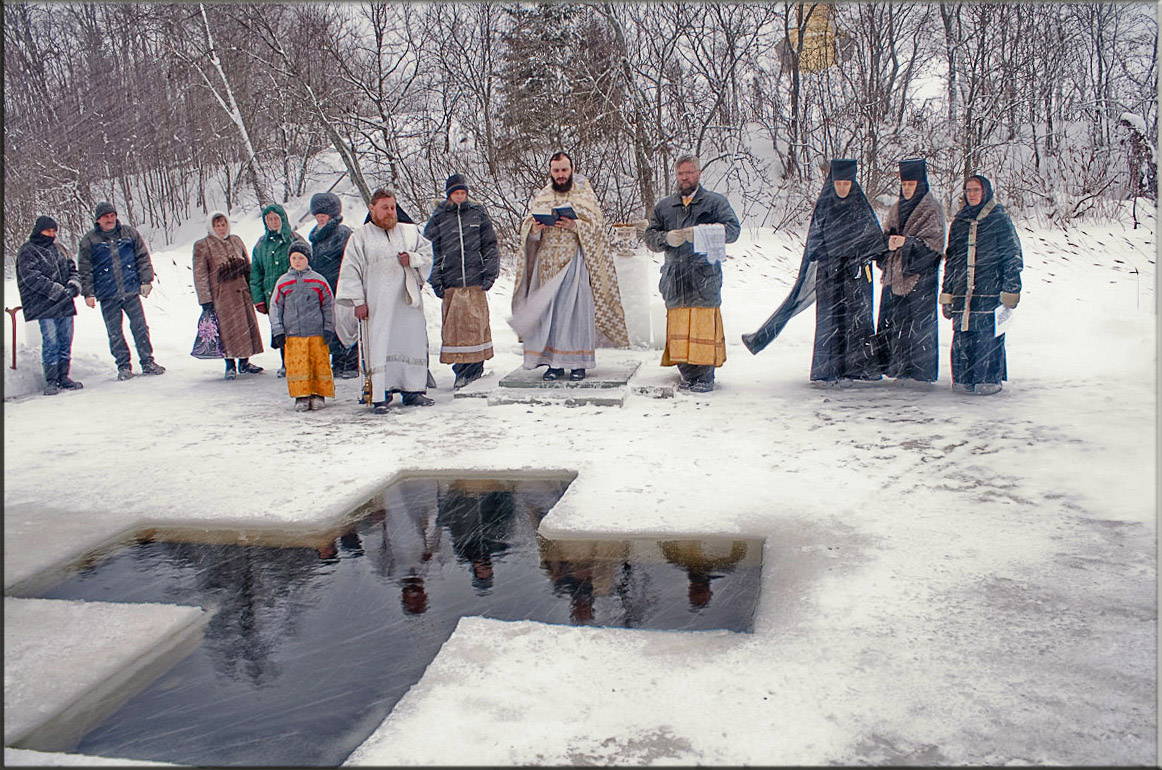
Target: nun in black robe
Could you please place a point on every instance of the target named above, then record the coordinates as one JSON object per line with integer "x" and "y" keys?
{"x": 907, "y": 329}
{"x": 843, "y": 239}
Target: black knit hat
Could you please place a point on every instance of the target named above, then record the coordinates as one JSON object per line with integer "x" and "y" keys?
{"x": 913, "y": 170}
{"x": 843, "y": 169}
{"x": 301, "y": 247}
{"x": 326, "y": 203}
{"x": 44, "y": 223}
{"x": 454, "y": 183}
{"x": 103, "y": 208}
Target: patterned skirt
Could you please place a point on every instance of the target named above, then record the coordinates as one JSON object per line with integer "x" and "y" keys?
{"x": 466, "y": 335}
{"x": 694, "y": 335}
{"x": 308, "y": 367}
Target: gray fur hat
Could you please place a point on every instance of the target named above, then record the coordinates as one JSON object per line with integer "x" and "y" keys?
{"x": 103, "y": 208}
{"x": 326, "y": 203}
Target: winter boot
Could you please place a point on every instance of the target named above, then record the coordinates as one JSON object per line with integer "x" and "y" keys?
{"x": 245, "y": 367}
{"x": 63, "y": 381}
{"x": 302, "y": 404}
{"x": 416, "y": 398}
{"x": 987, "y": 388}
{"x": 576, "y": 375}
{"x": 317, "y": 402}
{"x": 50, "y": 385}
{"x": 552, "y": 374}
{"x": 152, "y": 367}
{"x": 124, "y": 373}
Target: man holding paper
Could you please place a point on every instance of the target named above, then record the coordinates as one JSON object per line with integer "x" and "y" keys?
{"x": 566, "y": 301}
{"x": 693, "y": 228}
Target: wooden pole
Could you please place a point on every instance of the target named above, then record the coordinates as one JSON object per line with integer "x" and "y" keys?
{"x": 12, "y": 311}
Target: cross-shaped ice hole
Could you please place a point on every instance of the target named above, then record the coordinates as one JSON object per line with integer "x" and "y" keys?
{"x": 314, "y": 641}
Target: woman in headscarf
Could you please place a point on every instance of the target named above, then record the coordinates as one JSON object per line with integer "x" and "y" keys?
{"x": 843, "y": 239}
{"x": 907, "y": 325}
{"x": 222, "y": 281}
{"x": 982, "y": 272}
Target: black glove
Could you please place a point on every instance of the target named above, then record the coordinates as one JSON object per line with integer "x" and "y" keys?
{"x": 208, "y": 306}
{"x": 329, "y": 338}
{"x": 438, "y": 291}
{"x": 73, "y": 288}
{"x": 486, "y": 285}
{"x": 946, "y": 310}
{"x": 278, "y": 340}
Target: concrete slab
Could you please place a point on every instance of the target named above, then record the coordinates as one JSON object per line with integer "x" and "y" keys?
{"x": 69, "y": 664}
{"x": 558, "y": 397}
{"x": 605, "y": 375}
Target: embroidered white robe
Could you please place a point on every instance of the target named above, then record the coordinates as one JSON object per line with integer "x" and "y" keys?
{"x": 397, "y": 333}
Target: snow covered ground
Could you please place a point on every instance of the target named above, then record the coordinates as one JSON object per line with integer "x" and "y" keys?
{"x": 948, "y": 579}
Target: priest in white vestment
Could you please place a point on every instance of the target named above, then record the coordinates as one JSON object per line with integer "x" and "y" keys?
{"x": 385, "y": 265}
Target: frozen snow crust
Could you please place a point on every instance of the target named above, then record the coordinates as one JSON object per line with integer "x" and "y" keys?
{"x": 947, "y": 579}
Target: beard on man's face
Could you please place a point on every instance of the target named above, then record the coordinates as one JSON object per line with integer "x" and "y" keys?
{"x": 387, "y": 222}
{"x": 565, "y": 186}
{"x": 687, "y": 190}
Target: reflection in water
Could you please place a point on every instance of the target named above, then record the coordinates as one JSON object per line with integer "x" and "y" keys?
{"x": 477, "y": 514}
{"x": 703, "y": 561}
{"x": 311, "y": 646}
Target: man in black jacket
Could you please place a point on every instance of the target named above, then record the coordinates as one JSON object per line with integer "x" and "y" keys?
{"x": 691, "y": 282}
{"x": 465, "y": 265}
{"x": 48, "y": 282}
{"x": 328, "y": 240}
{"x": 115, "y": 268}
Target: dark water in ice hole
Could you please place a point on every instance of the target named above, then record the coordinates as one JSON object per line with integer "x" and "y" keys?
{"x": 311, "y": 647}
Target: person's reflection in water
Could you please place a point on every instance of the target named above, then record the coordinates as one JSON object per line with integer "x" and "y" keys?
{"x": 703, "y": 561}
{"x": 328, "y": 552}
{"x": 413, "y": 597}
{"x": 478, "y": 514}
{"x": 410, "y": 538}
{"x": 349, "y": 543}
{"x": 583, "y": 570}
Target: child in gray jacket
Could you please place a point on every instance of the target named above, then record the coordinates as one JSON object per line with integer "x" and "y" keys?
{"x": 302, "y": 321}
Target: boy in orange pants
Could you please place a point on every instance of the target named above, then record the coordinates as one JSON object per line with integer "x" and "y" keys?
{"x": 302, "y": 319}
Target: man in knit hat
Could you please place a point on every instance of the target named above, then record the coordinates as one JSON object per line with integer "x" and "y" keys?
{"x": 328, "y": 240}
{"x": 47, "y": 280}
{"x": 115, "y": 269}
{"x": 465, "y": 263}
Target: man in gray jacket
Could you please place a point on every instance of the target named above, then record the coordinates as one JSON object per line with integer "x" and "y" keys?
{"x": 115, "y": 268}
{"x": 691, "y": 282}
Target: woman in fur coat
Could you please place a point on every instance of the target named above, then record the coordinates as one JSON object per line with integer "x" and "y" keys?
{"x": 222, "y": 281}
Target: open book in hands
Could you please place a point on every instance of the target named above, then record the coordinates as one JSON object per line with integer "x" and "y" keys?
{"x": 558, "y": 213}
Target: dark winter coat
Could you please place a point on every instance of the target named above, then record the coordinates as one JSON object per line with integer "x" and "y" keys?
{"x": 907, "y": 333}
{"x": 997, "y": 267}
{"x": 844, "y": 237}
{"x": 327, "y": 245}
{"x": 113, "y": 264}
{"x": 689, "y": 279}
{"x": 43, "y": 273}
{"x": 464, "y": 250}
{"x": 271, "y": 256}
{"x": 302, "y": 305}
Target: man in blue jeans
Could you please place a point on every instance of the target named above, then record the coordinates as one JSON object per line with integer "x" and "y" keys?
{"x": 115, "y": 268}
{"x": 47, "y": 281}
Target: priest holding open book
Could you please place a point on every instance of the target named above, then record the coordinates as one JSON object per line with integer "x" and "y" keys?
{"x": 565, "y": 302}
